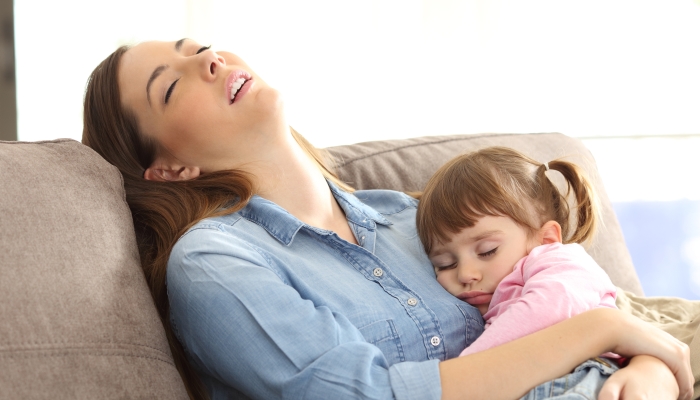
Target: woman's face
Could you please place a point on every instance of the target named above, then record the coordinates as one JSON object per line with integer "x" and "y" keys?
{"x": 203, "y": 108}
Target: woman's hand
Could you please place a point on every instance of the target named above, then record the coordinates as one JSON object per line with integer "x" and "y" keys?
{"x": 645, "y": 377}
{"x": 639, "y": 338}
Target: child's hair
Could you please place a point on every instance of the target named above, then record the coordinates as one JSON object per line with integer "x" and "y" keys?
{"x": 499, "y": 181}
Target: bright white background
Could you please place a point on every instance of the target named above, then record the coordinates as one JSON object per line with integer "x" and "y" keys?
{"x": 362, "y": 70}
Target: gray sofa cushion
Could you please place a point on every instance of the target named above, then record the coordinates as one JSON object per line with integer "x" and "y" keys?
{"x": 407, "y": 165}
{"x": 77, "y": 317}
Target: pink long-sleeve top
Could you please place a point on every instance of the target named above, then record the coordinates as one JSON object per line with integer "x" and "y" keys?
{"x": 552, "y": 283}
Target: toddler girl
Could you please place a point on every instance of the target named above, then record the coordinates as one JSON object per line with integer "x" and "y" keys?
{"x": 499, "y": 235}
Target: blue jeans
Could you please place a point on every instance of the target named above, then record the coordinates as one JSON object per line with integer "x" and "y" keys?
{"x": 582, "y": 384}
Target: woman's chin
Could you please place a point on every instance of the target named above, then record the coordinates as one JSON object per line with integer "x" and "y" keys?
{"x": 270, "y": 104}
{"x": 273, "y": 98}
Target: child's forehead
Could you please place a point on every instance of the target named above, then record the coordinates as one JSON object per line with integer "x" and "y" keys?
{"x": 486, "y": 227}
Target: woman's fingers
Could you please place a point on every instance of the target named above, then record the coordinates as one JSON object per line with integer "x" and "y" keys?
{"x": 645, "y": 377}
{"x": 612, "y": 389}
{"x": 685, "y": 378}
{"x": 640, "y": 338}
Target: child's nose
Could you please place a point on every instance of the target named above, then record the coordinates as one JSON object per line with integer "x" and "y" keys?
{"x": 467, "y": 273}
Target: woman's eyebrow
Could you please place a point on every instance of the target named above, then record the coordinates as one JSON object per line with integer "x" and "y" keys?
{"x": 178, "y": 44}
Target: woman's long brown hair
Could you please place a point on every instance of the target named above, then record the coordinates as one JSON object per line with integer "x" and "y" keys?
{"x": 162, "y": 211}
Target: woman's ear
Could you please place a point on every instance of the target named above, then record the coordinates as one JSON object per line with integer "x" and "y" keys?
{"x": 166, "y": 172}
{"x": 550, "y": 232}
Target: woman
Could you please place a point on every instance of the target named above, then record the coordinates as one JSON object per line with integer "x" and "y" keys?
{"x": 293, "y": 287}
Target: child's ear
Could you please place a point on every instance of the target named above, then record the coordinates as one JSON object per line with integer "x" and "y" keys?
{"x": 550, "y": 232}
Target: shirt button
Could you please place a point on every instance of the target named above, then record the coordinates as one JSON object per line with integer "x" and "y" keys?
{"x": 435, "y": 340}
{"x": 412, "y": 301}
{"x": 378, "y": 272}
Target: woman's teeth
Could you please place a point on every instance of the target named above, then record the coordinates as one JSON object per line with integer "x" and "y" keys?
{"x": 236, "y": 87}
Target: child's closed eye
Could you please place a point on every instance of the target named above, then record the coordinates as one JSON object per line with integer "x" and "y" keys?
{"x": 439, "y": 268}
{"x": 488, "y": 253}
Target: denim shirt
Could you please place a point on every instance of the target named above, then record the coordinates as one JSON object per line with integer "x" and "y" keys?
{"x": 269, "y": 307}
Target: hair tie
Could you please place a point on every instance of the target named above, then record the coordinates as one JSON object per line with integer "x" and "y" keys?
{"x": 546, "y": 167}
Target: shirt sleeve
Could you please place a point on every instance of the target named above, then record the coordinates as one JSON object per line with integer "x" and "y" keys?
{"x": 242, "y": 325}
{"x": 560, "y": 281}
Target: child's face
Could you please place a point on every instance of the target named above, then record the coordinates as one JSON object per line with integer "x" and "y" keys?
{"x": 475, "y": 260}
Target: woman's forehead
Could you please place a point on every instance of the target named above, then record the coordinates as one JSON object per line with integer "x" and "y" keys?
{"x": 146, "y": 53}
{"x": 136, "y": 69}
{"x": 137, "y": 65}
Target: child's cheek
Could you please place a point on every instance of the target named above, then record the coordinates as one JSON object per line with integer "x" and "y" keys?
{"x": 446, "y": 280}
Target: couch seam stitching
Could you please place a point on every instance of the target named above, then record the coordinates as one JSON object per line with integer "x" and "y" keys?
{"x": 38, "y": 346}
{"x": 67, "y": 353}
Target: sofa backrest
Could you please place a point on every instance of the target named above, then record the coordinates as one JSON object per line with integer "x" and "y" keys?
{"x": 78, "y": 320}
{"x": 407, "y": 165}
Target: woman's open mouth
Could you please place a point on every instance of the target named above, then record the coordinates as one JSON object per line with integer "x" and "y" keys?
{"x": 237, "y": 85}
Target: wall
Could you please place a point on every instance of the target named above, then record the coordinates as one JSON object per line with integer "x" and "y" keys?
{"x": 358, "y": 70}
{"x": 8, "y": 104}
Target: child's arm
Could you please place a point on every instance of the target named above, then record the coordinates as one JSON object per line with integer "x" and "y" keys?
{"x": 557, "y": 281}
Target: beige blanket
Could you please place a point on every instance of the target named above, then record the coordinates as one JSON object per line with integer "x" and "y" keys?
{"x": 677, "y": 316}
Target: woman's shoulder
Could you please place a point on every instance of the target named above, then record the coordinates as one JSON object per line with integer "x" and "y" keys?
{"x": 386, "y": 201}
{"x": 213, "y": 224}
{"x": 210, "y": 226}
{"x": 211, "y": 240}
{"x": 213, "y": 234}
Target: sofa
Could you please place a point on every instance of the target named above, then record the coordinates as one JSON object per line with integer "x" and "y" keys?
{"x": 78, "y": 320}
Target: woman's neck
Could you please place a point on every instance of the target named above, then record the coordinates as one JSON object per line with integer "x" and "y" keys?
{"x": 291, "y": 179}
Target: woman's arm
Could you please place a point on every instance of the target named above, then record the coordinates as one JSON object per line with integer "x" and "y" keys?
{"x": 510, "y": 370}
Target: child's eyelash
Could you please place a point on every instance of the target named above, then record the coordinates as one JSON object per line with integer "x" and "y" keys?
{"x": 489, "y": 253}
{"x": 445, "y": 267}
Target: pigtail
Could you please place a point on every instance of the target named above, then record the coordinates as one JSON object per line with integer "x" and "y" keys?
{"x": 586, "y": 203}
{"x": 554, "y": 205}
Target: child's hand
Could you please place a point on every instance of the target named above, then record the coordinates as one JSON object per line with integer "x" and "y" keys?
{"x": 645, "y": 377}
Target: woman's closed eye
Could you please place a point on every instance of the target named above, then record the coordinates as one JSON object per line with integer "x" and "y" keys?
{"x": 172, "y": 86}
{"x": 488, "y": 253}
{"x": 170, "y": 91}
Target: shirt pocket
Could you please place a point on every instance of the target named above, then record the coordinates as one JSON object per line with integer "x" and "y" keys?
{"x": 383, "y": 334}
{"x": 473, "y": 321}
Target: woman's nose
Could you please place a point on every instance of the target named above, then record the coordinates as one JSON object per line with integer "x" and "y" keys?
{"x": 211, "y": 63}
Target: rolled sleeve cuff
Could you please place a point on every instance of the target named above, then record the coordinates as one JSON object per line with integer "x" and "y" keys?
{"x": 416, "y": 380}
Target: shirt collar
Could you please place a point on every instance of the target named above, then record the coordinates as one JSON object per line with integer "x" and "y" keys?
{"x": 356, "y": 211}
{"x": 283, "y": 226}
